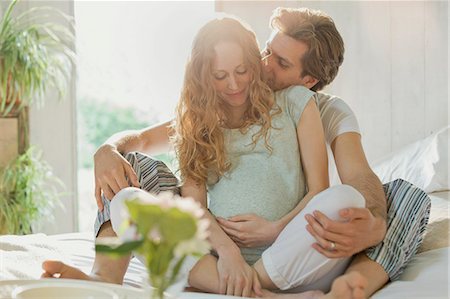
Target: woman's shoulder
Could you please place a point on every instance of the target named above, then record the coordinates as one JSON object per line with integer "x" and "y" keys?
{"x": 295, "y": 92}
{"x": 293, "y": 100}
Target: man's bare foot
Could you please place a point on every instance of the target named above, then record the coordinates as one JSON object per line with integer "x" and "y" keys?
{"x": 57, "y": 269}
{"x": 348, "y": 286}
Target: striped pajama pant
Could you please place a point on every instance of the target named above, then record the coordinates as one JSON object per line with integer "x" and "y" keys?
{"x": 408, "y": 212}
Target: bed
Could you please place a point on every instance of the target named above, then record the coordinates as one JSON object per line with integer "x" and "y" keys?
{"x": 427, "y": 275}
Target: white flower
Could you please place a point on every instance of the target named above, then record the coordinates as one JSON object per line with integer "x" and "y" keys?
{"x": 154, "y": 235}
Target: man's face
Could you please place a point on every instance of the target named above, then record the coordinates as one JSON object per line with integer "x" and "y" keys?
{"x": 282, "y": 62}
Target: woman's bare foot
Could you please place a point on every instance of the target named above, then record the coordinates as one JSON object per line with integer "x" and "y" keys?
{"x": 57, "y": 269}
{"x": 348, "y": 286}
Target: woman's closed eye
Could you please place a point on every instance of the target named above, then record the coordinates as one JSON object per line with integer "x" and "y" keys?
{"x": 219, "y": 76}
{"x": 241, "y": 71}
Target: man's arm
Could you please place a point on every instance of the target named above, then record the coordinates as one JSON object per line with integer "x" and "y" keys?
{"x": 152, "y": 140}
{"x": 354, "y": 170}
{"x": 365, "y": 227}
{"x": 112, "y": 171}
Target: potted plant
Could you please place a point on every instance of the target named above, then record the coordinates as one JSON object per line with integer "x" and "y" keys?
{"x": 28, "y": 192}
{"x": 35, "y": 54}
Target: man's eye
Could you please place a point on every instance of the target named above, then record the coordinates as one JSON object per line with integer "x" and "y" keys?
{"x": 282, "y": 64}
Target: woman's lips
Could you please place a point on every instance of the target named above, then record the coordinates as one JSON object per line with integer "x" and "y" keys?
{"x": 236, "y": 93}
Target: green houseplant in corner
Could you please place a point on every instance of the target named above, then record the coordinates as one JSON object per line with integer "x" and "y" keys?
{"x": 28, "y": 190}
{"x": 36, "y": 56}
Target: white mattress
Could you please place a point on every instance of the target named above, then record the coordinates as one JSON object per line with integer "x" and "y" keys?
{"x": 427, "y": 276}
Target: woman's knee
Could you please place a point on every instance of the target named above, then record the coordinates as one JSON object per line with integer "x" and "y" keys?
{"x": 335, "y": 198}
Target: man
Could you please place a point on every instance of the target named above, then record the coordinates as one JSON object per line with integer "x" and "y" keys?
{"x": 306, "y": 49}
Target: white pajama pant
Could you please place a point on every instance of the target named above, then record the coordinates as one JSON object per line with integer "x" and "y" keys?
{"x": 292, "y": 263}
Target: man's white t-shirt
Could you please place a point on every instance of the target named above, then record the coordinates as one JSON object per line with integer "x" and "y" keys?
{"x": 337, "y": 119}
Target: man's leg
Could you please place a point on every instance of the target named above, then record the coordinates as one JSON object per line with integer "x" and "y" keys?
{"x": 105, "y": 268}
{"x": 154, "y": 176}
{"x": 408, "y": 213}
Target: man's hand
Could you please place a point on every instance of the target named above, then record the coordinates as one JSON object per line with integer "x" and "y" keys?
{"x": 360, "y": 231}
{"x": 250, "y": 230}
{"x": 112, "y": 173}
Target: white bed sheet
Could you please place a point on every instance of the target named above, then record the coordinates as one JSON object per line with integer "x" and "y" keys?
{"x": 427, "y": 276}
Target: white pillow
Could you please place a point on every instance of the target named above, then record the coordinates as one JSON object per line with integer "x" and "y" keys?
{"x": 424, "y": 163}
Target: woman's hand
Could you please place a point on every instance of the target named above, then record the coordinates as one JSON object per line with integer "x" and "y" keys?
{"x": 250, "y": 230}
{"x": 236, "y": 277}
{"x": 112, "y": 173}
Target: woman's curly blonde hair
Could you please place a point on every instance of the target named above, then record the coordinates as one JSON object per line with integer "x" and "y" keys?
{"x": 201, "y": 115}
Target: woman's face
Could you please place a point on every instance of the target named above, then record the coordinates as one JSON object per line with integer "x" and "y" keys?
{"x": 231, "y": 75}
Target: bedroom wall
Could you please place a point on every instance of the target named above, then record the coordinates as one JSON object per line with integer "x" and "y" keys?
{"x": 395, "y": 72}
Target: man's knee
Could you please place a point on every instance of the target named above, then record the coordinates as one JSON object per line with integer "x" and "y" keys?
{"x": 408, "y": 213}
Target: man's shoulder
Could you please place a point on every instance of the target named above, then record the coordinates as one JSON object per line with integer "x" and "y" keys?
{"x": 325, "y": 101}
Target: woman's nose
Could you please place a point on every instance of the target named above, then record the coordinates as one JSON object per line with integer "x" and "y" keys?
{"x": 232, "y": 83}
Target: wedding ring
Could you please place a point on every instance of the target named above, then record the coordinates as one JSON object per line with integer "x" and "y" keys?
{"x": 332, "y": 245}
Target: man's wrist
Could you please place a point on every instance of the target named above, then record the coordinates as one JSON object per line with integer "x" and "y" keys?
{"x": 381, "y": 227}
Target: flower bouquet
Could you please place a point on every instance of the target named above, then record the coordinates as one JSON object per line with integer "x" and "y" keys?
{"x": 164, "y": 230}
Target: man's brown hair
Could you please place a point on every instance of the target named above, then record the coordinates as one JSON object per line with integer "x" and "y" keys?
{"x": 318, "y": 31}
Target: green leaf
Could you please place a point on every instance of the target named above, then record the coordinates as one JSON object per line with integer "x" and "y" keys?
{"x": 177, "y": 226}
{"x": 145, "y": 215}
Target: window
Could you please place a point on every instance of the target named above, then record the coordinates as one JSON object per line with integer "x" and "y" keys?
{"x": 131, "y": 59}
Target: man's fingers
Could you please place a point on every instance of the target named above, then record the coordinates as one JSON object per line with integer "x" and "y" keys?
{"x": 327, "y": 253}
{"x": 113, "y": 186}
{"x": 324, "y": 243}
{"x": 354, "y": 213}
{"x": 132, "y": 177}
{"x": 98, "y": 197}
{"x": 328, "y": 224}
{"x": 107, "y": 192}
{"x": 122, "y": 182}
{"x": 320, "y": 231}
